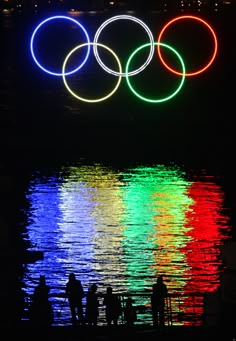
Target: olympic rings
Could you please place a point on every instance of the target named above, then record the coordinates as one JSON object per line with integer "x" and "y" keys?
{"x": 211, "y": 31}
{"x": 162, "y": 99}
{"x": 151, "y": 44}
{"x": 37, "y": 29}
{"x": 81, "y": 98}
{"x": 145, "y": 27}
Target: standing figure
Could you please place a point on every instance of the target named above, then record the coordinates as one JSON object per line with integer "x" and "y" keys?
{"x": 41, "y": 313}
{"x": 75, "y": 294}
{"x": 92, "y": 305}
{"x": 158, "y": 297}
{"x": 130, "y": 315}
{"x": 113, "y": 307}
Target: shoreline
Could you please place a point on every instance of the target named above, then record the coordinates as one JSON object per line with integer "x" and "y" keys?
{"x": 135, "y": 332}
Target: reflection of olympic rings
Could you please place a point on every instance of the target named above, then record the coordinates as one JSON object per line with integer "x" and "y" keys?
{"x": 162, "y": 99}
{"x": 204, "y": 23}
{"x": 81, "y": 98}
{"x": 127, "y": 73}
{"x": 145, "y": 27}
{"x": 36, "y": 31}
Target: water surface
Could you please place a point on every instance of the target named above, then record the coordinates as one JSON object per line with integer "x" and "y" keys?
{"x": 124, "y": 227}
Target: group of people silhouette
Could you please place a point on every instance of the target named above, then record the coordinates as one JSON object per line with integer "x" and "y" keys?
{"x": 41, "y": 311}
{"x": 75, "y": 294}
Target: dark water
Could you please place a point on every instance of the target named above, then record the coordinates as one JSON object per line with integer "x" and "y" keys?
{"x": 121, "y": 190}
{"x": 39, "y": 113}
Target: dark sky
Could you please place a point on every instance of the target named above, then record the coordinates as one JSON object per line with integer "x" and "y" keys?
{"x": 35, "y": 116}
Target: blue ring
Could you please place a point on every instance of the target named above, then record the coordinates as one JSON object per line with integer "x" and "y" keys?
{"x": 32, "y": 43}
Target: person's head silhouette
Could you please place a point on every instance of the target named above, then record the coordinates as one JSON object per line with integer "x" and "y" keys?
{"x": 72, "y": 276}
{"x": 42, "y": 279}
{"x": 160, "y": 279}
{"x": 109, "y": 290}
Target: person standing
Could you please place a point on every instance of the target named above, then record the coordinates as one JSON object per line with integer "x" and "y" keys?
{"x": 113, "y": 308}
{"x": 130, "y": 315}
{"x": 41, "y": 313}
{"x": 158, "y": 300}
{"x": 92, "y": 304}
{"x": 75, "y": 294}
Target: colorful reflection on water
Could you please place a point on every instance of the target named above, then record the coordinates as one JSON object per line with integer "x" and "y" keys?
{"x": 123, "y": 228}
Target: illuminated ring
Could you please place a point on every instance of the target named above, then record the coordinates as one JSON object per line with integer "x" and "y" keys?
{"x": 214, "y": 38}
{"x": 33, "y": 37}
{"x": 81, "y": 98}
{"x": 145, "y": 27}
{"x": 162, "y": 99}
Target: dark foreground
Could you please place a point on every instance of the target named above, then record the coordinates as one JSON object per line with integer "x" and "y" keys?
{"x": 126, "y": 333}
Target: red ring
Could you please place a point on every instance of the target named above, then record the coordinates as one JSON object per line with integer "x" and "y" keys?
{"x": 214, "y": 38}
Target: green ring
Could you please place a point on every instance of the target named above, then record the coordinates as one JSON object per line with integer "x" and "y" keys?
{"x": 162, "y": 99}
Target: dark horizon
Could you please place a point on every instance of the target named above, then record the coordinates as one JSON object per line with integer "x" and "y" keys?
{"x": 117, "y": 5}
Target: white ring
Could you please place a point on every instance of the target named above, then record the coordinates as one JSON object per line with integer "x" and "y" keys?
{"x": 145, "y": 27}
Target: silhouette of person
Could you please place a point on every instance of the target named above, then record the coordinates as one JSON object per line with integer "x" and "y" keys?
{"x": 112, "y": 307}
{"x": 158, "y": 297}
{"x": 130, "y": 315}
{"x": 75, "y": 294}
{"x": 92, "y": 304}
{"x": 41, "y": 313}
